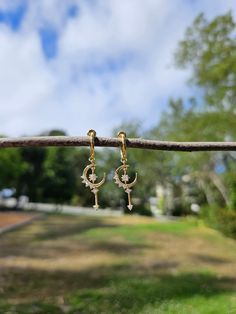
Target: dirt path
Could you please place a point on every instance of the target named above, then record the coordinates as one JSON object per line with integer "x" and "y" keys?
{"x": 9, "y": 220}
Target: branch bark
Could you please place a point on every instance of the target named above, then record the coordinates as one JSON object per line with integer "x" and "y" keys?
{"x": 45, "y": 141}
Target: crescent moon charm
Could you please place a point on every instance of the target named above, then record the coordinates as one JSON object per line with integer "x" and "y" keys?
{"x": 124, "y": 182}
{"x": 90, "y": 181}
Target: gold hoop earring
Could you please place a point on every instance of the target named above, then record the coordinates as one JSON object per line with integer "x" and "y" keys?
{"x": 124, "y": 181}
{"x": 90, "y": 179}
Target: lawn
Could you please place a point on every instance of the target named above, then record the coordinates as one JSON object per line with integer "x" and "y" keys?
{"x": 66, "y": 264}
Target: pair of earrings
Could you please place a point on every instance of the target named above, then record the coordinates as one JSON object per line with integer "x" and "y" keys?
{"x": 90, "y": 179}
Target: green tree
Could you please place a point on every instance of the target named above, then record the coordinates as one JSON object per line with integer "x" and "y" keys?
{"x": 209, "y": 49}
{"x": 30, "y": 181}
{"x": 59, "y": 182}
{"x": 11, "y": 167}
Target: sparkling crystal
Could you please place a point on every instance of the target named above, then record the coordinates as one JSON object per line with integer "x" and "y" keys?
{"x": 125, "y": 178}
{"x": 128, "y": 190}
{"x": 94, "y": 190}
{"x": 93, "y": 177}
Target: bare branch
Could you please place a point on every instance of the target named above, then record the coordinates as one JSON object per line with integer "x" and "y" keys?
{"x": 45, "y": 141}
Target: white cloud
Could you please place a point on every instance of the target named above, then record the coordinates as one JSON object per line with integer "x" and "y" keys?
{"x": 76, "y": 91}
{"x": 25, "y": 81}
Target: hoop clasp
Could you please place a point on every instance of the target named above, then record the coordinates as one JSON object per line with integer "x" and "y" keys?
{"x": 122, "y": 137}
{"x": 92, "y": 135}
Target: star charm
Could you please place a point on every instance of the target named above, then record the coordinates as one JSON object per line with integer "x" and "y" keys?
{"x": 93, "y": 177}
{"x": 125, "y": 178}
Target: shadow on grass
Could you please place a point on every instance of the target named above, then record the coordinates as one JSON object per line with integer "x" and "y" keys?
{"x": 28, "y": 242}
{"x": 120, "y": 248}
{"x": 117, "y": 289}
{"x": 59, "y": 250}
{"x": 55, "y": 236}
{"x": 210, "y": 259}
{"x": 59, "y": 229}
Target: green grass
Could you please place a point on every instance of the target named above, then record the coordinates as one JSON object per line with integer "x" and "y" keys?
{"x": 66, "y": 264}
{"x": 137, "y": 233}
{"x": 167, "y": 227}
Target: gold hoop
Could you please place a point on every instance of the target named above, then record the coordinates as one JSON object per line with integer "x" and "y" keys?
{"x": 92, "y": 134}
{"x": 122, "y": 138}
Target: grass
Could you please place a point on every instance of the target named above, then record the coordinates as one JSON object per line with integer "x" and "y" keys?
{"x": 67, "y": 264}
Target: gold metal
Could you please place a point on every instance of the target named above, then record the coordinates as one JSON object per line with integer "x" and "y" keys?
{"x": 90, "y": 179}
{"x": 122, "y": 137}
{"x": 92, "y": 134}
{"x": 123, "y": 182}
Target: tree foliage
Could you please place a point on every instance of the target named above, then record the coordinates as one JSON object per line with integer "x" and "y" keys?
{"x": 11, "y": 167}
{"x": 209, "y": 48}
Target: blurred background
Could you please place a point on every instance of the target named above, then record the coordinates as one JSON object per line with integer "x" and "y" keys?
{"x": 161, "y": 70}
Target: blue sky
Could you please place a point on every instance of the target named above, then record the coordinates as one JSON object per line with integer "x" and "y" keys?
{"x": 80, "y": 64}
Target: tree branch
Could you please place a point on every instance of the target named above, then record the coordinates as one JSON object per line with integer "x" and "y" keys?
{"x": 44, "y": 141}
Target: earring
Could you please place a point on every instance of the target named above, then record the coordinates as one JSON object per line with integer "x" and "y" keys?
{"x": 124, "y": 181}
{"x": 89, "y": 180}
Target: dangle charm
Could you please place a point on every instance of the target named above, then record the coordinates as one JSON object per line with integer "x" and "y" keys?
{"x": 90, "y": 179}
{"x": 124, "y": 181}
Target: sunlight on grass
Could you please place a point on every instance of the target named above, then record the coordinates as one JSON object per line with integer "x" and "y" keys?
{"x": 137, "y": 233}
